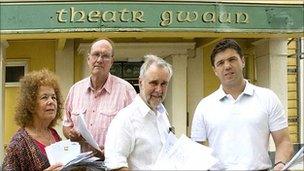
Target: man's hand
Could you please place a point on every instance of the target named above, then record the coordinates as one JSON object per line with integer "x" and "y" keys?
{"x": 72, "y": 134}
{"x": 75, "y": 135}
{"x": 97, "y": 153}
{"x": 279, "y": 166}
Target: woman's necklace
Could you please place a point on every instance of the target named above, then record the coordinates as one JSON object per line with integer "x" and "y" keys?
{"x": 44, "y": 137}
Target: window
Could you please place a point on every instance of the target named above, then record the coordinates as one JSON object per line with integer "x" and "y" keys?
{"x": 128, "y": 71}
{"x": 14, "y": 70}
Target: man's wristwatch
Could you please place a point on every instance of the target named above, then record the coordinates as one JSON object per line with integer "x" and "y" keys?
{"x": 279, "y": 163}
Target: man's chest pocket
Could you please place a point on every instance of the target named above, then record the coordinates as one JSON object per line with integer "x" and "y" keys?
{"x": 106, "y": 116}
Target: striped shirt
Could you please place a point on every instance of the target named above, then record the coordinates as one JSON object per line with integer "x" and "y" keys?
{"x": 99, "y": 107}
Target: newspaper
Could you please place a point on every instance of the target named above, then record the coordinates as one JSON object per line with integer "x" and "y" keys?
{"x": 184, "y": 154}
{"x": 297, "y": 159}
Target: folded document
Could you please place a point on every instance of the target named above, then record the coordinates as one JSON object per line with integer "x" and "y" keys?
{"x": 82, "y": 128}
{"x": 69, "y": 153}
{"x": 184, "y": 154}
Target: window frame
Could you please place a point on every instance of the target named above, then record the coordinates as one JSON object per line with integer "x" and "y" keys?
{"x": 15, "y": 63}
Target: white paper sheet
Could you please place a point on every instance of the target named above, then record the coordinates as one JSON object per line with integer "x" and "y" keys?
{"x": 67, "y": 153}
{"x": 86, "y": 156}
{"x": 296, "y": 159}
{"x": 171, "y": 140}
{"x": 82, "y": 128}
{"x": 62, "y": 152}
{"x": 185, "y": 154}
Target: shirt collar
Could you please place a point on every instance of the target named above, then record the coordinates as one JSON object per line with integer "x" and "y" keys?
{"x": 88, "y": 84}
{"x": 145, "y": 109}
{"x": 107, "y": 86}
{"x": 249, "y": 89}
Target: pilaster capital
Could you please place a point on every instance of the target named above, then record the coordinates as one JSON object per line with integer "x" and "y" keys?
{"x": 131, "y": 51}
{"x": 3, "y": 45}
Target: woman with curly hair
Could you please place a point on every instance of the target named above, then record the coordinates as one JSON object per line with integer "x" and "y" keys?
{"x": 37, "y": 111}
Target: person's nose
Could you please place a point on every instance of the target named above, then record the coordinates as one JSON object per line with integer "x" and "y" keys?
{"x": 227, "y": 65}
{"x": 51, "y": 101}
{"x": 99, "y": 58}
{"x": 159, "y": 88}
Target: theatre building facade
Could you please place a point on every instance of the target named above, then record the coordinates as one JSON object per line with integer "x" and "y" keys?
{"x": 57, "y": 35}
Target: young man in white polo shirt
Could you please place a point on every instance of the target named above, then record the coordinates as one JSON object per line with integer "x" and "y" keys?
{"x": 238, "y": 118}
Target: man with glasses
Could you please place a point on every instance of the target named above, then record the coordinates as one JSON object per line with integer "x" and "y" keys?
{"x": 98, "y": 97}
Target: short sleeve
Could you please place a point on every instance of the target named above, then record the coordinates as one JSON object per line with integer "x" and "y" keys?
{"x": 277, "y": 116}
{"x": 198, "y": 130}
{"x": 119, "y": 142}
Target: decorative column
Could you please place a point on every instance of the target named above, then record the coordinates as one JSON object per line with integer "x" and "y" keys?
{"x": 4, "y": 45}
{"x": 82, "y": 51}
{"x": 176, "y": 101}
{"x": 65, "y": 70}
{"x": 300, "y": 60}
{"x": 271, "y": 68}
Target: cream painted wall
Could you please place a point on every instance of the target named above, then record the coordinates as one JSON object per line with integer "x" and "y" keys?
{"x": 10, "y": 126}
{"x": 41, "y": 54}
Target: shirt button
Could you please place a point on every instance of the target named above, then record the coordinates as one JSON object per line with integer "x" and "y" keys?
{"x": 93, "y": 110}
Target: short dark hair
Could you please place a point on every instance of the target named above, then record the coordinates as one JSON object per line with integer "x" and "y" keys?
{"x": 223, "y": 45}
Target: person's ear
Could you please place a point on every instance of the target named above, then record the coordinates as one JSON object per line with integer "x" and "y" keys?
{"x": 88, "y": 58}
{"x": 243, "y": 62}
{"x": 140, "y": 81}
{"x": 214, "y": 71}
{"x": 112, "y": 60}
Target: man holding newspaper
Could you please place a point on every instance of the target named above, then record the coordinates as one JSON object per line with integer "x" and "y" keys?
{"x": 136, "y": 135}
{"x": 96, "y": 99}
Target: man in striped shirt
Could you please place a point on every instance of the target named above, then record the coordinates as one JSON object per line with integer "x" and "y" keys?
{"x": 98, "y": 97}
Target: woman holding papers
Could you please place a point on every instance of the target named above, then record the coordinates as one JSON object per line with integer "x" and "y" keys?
{"x": 37, "y": 111}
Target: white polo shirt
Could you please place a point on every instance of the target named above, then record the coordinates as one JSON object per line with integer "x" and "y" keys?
{"x": 238, "y": 130}
{"x": 136, "y": 136}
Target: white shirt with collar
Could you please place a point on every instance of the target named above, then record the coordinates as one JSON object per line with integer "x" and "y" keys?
{"x": 238, "y": 130}
{"x": 136, "y": 136}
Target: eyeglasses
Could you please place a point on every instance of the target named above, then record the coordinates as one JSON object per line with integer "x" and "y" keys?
{"x": 105, "y": 57}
